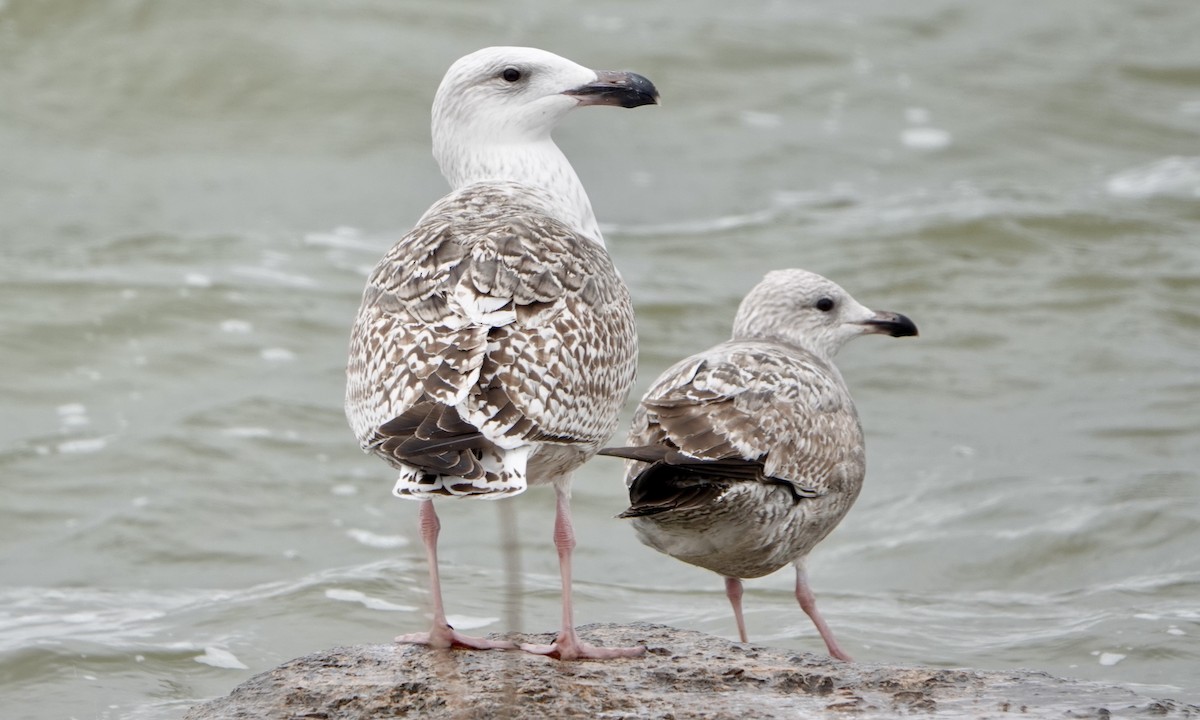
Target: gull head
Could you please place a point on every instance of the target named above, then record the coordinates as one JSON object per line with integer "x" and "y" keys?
{"x": 515, "y": 94}
{"x": 495, "y": 110}
{"x": 805, "y": 310}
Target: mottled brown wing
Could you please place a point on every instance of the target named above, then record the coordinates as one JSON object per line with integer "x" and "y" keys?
{"x": 760, "y": 403}
{"x": 493, "y": 309}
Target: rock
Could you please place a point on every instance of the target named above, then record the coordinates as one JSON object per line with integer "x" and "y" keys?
{"x": 685, "y": 674}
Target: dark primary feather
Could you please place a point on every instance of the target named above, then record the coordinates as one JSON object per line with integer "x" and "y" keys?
{"x": 432, "y": 437}
{"x": 734, "y": 468}
{"x": 674, "y": 481}
{"x": 661, "y": 488}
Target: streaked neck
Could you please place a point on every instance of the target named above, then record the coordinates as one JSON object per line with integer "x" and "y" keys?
{"x": 749, "y": 328}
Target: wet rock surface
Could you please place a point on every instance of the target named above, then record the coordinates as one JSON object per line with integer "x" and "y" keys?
{"x": 684, "y": 674}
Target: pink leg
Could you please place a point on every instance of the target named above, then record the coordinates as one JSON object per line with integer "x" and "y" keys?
{"x": 733, "y": 589}
{"x": 808, "y": 603}
{"x": 441, "y": 635}
{"x": 567, "y": 646}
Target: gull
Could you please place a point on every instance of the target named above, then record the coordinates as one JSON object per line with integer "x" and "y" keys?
{"x": 495, "y": 343}
{"x": 745, "y": 456}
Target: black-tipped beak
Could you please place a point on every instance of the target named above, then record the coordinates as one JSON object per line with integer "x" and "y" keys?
{"x": 626, "y": 89}
{"x": 891, "y": 323}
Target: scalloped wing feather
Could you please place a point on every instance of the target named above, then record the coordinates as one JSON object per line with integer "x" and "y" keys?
{"x": 759, "y": 402}
{"x": 504, "y": 315}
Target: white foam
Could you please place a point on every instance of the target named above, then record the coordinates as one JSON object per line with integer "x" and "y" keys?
{"x": 760, "y": 120}
{"x": 1108, "y": 659}
{"x": 925, "y": 138}
{"x": 371, "y": 603}
{"x": 370, "y": 539}
{"x": 73, "y": 415}
{"x": 80, "y": 617}
{"x": 1175, "y": 176}
{"x": 465, "y": 622}
{"x": 277, "y": 277}
{"x": 240, "y": 327}
{"x": 220, "y": 659}
{"x": 198, "y": 280}
{"x": 84, "y": 445}
{"x": 278, "y": 354}
{"x": 247, "y": 432}
{"x": 344, "y": 490}
{"x": 346, "y": 238}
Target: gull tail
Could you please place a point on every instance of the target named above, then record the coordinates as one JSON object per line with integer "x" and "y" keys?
{"x": 503, "y": 476}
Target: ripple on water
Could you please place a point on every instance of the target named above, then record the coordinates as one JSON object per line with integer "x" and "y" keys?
{"x": 925, "y": 138}
{"x": 1177, "y": 176}
{"x": 220, "y": 658}
{"x": 370, "y": 539}
{"x": 82, "y": 446}
{"x": 371, "y": 603}
{"x": 345, "y": 238}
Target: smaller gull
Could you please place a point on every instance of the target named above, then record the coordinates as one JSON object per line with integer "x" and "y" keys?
{"x": 745, "y": 456}
{"x": 495, "y": 344}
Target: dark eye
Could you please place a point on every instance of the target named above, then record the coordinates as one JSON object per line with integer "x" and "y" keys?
{"x": 825, "y": 304}
{"x": 511, "y": 74}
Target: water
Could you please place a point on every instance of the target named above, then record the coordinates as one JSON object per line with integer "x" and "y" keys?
{"x": 192, "y": 193}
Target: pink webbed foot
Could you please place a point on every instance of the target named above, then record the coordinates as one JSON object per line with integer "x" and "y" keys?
{"x": 567, "y": 646}
{"x": 444, "y": 636}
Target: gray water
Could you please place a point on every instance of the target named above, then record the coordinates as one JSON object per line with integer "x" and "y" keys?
{"x": 191, "y": 194}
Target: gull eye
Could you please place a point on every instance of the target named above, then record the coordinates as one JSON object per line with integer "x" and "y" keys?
{"x": 511, "y": 74}
{"x": 825, "y": 304}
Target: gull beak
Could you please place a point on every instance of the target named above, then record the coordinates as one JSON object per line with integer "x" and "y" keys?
{"x": 891, "y": 323}
{"x": 626, "y": 89}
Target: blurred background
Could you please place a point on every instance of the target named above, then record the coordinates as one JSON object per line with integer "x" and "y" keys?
{"x": 191, "y": 195}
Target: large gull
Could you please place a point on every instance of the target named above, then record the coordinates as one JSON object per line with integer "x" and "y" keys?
{"x": 745, "y": 456}
{"x": 495, "y": 344}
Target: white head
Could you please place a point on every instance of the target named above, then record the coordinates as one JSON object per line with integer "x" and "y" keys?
{"x": 799, "y": 308}
{"x": 495, "y": 110}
